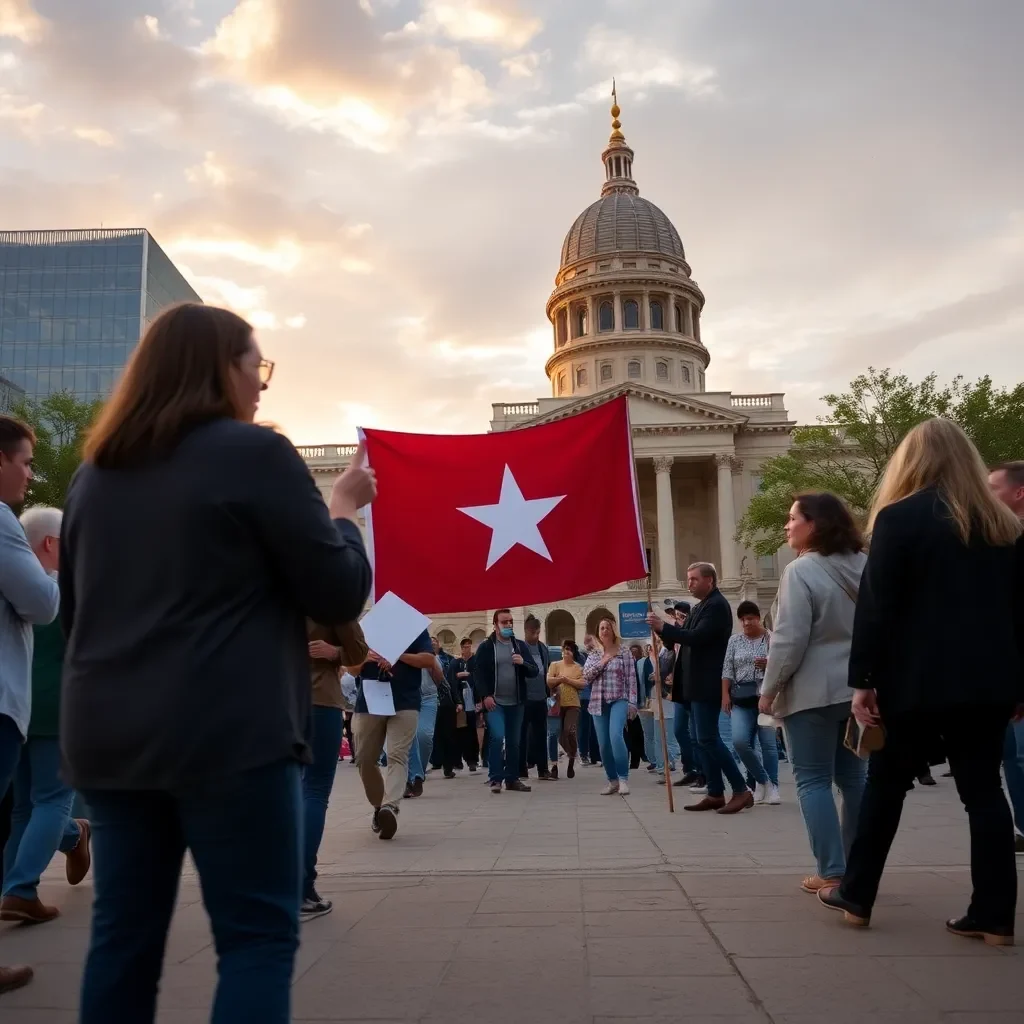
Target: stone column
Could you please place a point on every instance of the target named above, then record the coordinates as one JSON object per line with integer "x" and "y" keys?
{"x": 618, "y": 312}
{"x": 667, "y": 570}
{"x": 729, "y": 569}
{"x": 645, "y": 311}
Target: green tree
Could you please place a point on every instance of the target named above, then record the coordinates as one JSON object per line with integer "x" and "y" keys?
{"x": 847, "y": 451}
{"x": 60, "y": 422}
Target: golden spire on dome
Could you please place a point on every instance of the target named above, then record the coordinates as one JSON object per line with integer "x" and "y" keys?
{"x": 616, "y": 135}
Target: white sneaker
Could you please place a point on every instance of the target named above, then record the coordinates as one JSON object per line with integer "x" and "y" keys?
{"x": 773, "y": 794}
{"x": 611, "y": 789}
{"x": 623, "y": 788}
{"x": 760, "y": 793}
{"x": 698, "y": 789}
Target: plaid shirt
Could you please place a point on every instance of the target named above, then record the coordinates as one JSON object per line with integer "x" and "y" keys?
{"x": 611, "y": 682}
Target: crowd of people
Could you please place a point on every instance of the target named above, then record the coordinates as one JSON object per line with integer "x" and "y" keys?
{"x": 180, "y": 656}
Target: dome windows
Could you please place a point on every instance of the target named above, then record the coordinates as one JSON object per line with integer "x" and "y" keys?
{"x": 657, "y": 319}
{"x": 634, "y": 369}
{"x": 562, "y": 326}
{"x": 606, "y": 372}
{"x": 581, "y": 376}
{"x": 561, "y": 384}
{"x": 686, "y": 373}
{"x": 606, "y": 317}
{"x": 631, "y": 315}
{"x": 661, "y": 370}
{"x": 579, "y": 322}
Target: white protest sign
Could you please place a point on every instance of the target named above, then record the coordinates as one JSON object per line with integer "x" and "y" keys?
{"x": 391, "y": 625}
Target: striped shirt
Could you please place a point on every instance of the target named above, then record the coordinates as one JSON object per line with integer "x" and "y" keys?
{"x": 611, "y": 682}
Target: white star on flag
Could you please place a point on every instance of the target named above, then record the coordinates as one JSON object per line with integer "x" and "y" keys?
{"x": 514, "y": 520}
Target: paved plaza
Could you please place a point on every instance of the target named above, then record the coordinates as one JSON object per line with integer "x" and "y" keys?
{"x": 563, "y": 906}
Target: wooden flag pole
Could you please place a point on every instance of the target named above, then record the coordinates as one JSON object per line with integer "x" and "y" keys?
{"x": 656, "y": 661}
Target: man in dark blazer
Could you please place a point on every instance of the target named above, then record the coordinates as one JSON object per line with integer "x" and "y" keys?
{"x": 702, "y": 643}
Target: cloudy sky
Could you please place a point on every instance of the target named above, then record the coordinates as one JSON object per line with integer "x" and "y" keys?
{"x": 382, "y": 186}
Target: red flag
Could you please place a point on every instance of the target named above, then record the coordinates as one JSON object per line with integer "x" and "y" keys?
{"x": 467, "y": 522}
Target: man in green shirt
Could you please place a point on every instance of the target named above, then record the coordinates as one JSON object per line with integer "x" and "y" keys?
{"x": 41, "y": 821}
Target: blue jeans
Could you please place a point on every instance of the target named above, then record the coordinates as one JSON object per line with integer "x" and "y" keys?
{"x": 554, "y": 728}
{"x": 587, "y": 735}
{"x": 505, "y": 726}
{"x": 1013, "y": 769}
{"x": 419, "y": 752}
{"x": 317, "y": 783}
{"x": 745, "y": 734}
{"x": 244, "y": 833}
{"x": 715, "y": 756}
{"x": 683, "y": 738}
{"x": 815, "y": 741}
{"x": 609, "y": 725}
{"x": 652, "y": 741}
{"x": 41, "y": 820}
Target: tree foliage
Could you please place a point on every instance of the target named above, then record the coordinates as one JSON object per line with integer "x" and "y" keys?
{"x": 60, "y": 422}
{"x": 847, "y": 451}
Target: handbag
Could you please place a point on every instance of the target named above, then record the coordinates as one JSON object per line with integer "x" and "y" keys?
{"x": 744, "y": 689}
{"x": 863, "y": 740}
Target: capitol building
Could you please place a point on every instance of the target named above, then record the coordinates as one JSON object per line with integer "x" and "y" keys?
{"x": 625, "y": 318}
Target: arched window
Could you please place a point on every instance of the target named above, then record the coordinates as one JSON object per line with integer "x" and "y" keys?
{"x": 581, "y": 377}
{"x": 580, "y": 321}
{"x": 661, "y": 370}
{"x": 686, "y": 374}
{"x": 563, "y": 327}
{"x": 630, "y": 314}
{"x": 680, "y": 322}
{"x": 657, "y": 321}
{"x": 606, "y": 317}
{"x": 633, "y": 369}
{"x": 561, "y": 383}
{"x": 606, "y": 372}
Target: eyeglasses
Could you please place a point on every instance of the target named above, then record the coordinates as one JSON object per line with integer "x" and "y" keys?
{"x": 266, "y": 369}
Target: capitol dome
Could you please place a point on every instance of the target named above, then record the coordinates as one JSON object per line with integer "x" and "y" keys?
{"x": 621, "y": 221}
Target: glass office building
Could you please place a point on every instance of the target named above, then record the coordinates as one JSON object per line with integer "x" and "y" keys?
{"x": 73, "y": 305}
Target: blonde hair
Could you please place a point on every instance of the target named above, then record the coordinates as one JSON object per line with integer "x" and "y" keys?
{"x": 937, "y": 453}
{"x": 615, "y": 632}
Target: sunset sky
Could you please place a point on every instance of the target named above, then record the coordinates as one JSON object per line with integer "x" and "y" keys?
{"x": 382, "y": 186}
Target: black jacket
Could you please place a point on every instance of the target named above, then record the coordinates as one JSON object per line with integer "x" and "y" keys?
{"x": 545, "y": 664}
{"x": 457, "y": 686}
{"x": 484, "y": 669}
{"x": 697, "y": 673}
{"x": 906, "y": 646}
{"x": 185, "y": 589}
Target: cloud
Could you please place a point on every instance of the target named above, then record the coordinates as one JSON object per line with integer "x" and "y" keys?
{"x": 97, "y": 136}
{"x": 498, "y": 23}
{"x": 20, "y": 20}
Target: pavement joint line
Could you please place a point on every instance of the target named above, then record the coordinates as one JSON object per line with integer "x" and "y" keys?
{"x": 754, "y": 998}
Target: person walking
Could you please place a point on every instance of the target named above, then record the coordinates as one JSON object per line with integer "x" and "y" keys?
{"x": 28, "y": 596}
{"x": 1007, "y": 484}
{"x": 327, "y": 654}
{"x": 533, "y": 749}
{"x": 611, "y": 673}
{"x": 41, "y": 817}
{"x": 460, "y": 679}
{"x": 195, "y": 544}
{"x": 502, "y": 666}
{"x": 805, "y": 682}
{"x": 703, "y": 641}
{"x": 745, "y": 660}
{"x": 565, "y": 679}
{"x": 590, "y": 753}
{"x": 934, "y": 519}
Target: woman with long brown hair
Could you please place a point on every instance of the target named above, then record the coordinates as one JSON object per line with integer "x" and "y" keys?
{"x": 611, "y": 673}
{"x": 935, "y": 523}
{"x": 195, "y": 545}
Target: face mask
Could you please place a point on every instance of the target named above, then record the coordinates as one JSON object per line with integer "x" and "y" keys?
{"x": 506, "y": 632}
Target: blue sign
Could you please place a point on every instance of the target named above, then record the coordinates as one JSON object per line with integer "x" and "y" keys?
{"x": 633, "y": 620}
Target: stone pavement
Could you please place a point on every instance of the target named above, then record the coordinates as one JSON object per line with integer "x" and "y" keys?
{"x": 566, "y": 907}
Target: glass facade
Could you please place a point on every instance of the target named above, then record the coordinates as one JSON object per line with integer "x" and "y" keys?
{"x": 73, "y": 305}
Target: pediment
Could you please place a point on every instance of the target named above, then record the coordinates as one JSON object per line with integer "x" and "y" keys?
{"x": 651, "y": 409}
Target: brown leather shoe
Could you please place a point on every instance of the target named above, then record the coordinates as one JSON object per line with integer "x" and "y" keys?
{"x": 708, "y": 803}
{"x": 738, "y": 802}
{"x": 14, "y": 977}
{"x": 79, "y": 860}
{"x": 14, "y": 908}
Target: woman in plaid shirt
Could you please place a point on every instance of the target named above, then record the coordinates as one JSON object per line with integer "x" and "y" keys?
{"x": 611, "y": 673}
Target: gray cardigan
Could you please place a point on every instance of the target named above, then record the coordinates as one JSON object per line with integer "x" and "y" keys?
{"x": 808, "y": 662}
{"x": 28, "y": 596}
